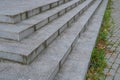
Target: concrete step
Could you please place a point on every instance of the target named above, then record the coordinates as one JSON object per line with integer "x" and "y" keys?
{"x": 49, "y": 62}
{"x": 27, "y": 27}
{"x": 77, "y": 63}
{"x": 26, "y": 50}
{"x": 13, "y": 11}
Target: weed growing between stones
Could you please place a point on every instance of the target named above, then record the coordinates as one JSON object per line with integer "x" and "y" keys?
{"x": 98, "y": 61}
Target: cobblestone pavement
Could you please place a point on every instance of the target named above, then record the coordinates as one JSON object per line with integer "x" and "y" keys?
{"x": 112, "y": 71}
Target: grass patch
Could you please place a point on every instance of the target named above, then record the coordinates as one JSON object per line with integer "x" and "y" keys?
{"x": 98, "y": 61}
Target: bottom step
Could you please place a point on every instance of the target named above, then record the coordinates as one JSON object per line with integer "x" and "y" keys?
{"x": 76, "y": 66}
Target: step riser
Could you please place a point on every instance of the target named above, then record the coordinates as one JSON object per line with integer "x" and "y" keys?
{"x": 72, "y": 46}
{"x": 33, "y": 28}
{"x": 46, "y": 43}
{"x": 85, "y": 51}
{"x": 55, "y": 35}
{"x": 74, "y": 43}
{"x": 49, "y": 19}
{"x": 61, "y": 62}
{"x": 76, "y": 39}
{"x": 60, "y": 65}
{"x": 25, "y": 15}
{"x": 31, "y": 57}
{"x": 54, "y": 73}
{"x": 67, "y": 53}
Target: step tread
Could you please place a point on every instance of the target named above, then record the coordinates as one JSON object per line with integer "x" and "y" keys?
{"x": 16, "y": 29}
{"x": 13, "y": 7}
{"x": 47, "y": 64}
{"x": 26, "y": 46}
{"x": 22, "y": 10}
{"x": 76, "y": 66}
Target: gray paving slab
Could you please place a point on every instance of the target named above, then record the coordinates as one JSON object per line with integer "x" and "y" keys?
{"x": 118, "y": 71}
{"x": 117, "y": 77}
{"x": 117, "y": 61}
{"x": 109, "y": 64}
{"x": 106, "y": 70}
{"x": 109, "y": 78}
{"x": 115, "y": 66}
{"x": 107, "y": 56}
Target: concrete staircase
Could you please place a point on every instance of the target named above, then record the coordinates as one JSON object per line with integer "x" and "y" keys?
{"x": 48, "y": 40}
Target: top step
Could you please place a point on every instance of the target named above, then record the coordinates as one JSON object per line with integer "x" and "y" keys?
{"x": 14, "y": 11}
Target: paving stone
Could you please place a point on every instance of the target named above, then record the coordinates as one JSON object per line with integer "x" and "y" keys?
{"x": 118, "y": 49}
{"x": 112, "y": 59}
{"x": 107, "y": 56}
{"x": 117, "y": 61}
{"x": 114, "y": 55}
{"x": 113, "y": 49}
{"x": 119, "y": 55}
{"x": 115, "y": 66}
{"x": 109, "y": 64}
{"x": 106, "y": 70}
{"x": 109, "y": 46}
{"x": 112, "y": 72}
{"x": 109, "y": 78}
{"x": 117, "y": 77}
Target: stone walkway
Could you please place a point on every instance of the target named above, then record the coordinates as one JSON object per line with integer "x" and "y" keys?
{"x": 112, "y": 71}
